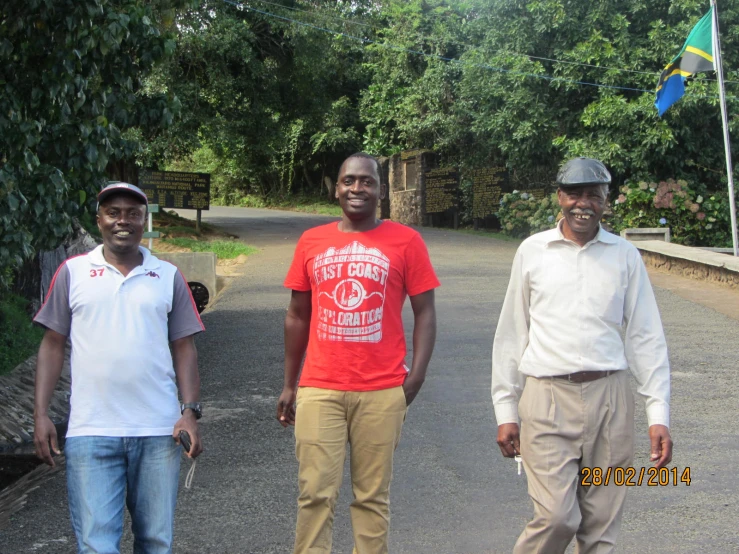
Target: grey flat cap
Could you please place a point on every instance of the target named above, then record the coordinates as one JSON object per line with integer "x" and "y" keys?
{"x": 583, "y": 171}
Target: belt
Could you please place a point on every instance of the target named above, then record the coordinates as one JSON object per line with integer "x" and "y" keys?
{"x": 585, "y": 376}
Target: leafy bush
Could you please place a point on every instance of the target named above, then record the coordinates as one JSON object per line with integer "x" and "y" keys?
{"x": 224, "y": 249}
{"x": 19, "y": 338}
{"x": 297, "y": 203}
{"x": 466, "y": 202}
{"x": 694, "y": 217}
{"x": 521, "y": 214}
{"x": 225, "y": 187}
{"x": 72, "y": 79}
{"x": 545, "y": 216}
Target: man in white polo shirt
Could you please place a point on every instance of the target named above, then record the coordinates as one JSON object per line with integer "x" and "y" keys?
{"x": 559, "y": 364}
{"x": 122, "y": 309}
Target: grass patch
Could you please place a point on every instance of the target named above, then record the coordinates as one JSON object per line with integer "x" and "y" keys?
{"x": 319, "y": 208}
{"x": 224, "y": 249}
{"x": 298, "y": 203}
{"x": 173, "y": 230}
{"x": 492, "y": 234}
{"x": 171, "y": 222}
{"x": 19, "y": 337}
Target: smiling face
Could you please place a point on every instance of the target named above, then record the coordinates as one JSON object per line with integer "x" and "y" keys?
{"x": 121, "y": 220}
{"x": 582, "y": 208}
{"x": 359, "y": 188}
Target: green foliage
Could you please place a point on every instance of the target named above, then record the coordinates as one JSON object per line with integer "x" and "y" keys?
{"x": 490, "y": 233}
{"x": 413, "y": 100}
{"x": 545, "y": 216}
{"x": 277, "y": 105}
{"x": 516, "y": 213}
{"x": 177, "y": 229}
{"x": 19, "y": 337}
{"x": 71, "y": 75}
{"x": 224, "y": 249}
{"x": 694, "y": 218}
{"x": 273, "y": 103}
{"x": 519, "y": 96}
{"x": 316, "y": 207}
{"x": 297, "y": 203}
{"x": 225, "y": 187}
{"x": 466, "y": 202}
{"x": 271, "y": 107}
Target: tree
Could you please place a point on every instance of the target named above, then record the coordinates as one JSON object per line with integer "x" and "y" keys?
{"x": 273, "y": 100}
{"x": 412, "y": 101}
{"x": 532, "y": 83}
{"x": 72, "y": 101}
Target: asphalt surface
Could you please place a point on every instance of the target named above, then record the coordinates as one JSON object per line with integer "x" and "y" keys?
{"x": 452, "y": 491}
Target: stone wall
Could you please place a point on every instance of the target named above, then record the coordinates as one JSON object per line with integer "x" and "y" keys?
{"x": 407, "y": 206}
{"x": 16, "y": 404}
{"x": 692, "y": 269}
{"x": 691, "y": 262}
{"x": 383, "y": 207}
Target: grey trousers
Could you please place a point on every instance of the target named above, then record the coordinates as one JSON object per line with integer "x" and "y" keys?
{"x": 565, "y": 428}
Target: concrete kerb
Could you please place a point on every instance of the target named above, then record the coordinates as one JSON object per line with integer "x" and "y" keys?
{"x": 197, "y": 267}
{"x": 647, "y": 233}
{"x": 694, "y": 263}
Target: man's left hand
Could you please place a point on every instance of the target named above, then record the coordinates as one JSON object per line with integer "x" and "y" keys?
{"x": 659, "y": 436}
{"x": 188, "y": 423}
{"x": 411, "y": 387}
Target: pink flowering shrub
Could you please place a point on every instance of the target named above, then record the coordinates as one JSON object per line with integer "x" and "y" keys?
{"x": 694, "y": 216}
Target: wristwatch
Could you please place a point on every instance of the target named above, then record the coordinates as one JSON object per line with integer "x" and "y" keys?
{"x": 194, "y": 406}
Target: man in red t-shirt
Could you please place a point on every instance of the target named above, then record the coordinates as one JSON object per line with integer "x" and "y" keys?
{"x": 349, "y": 280}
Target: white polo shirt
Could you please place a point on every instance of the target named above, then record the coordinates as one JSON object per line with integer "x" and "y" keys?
{"x": 123, "y": 379}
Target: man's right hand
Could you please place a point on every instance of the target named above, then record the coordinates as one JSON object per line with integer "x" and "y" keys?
{"x": 286, "y": 407}
{"x": 44, "y": 433}
{"x": 509, "y": 440}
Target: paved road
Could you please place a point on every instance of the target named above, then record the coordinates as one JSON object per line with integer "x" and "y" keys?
{"x": 452, "y": 493}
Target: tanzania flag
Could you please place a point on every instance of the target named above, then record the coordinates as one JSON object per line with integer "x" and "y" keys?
{"x": 696, "y": 55}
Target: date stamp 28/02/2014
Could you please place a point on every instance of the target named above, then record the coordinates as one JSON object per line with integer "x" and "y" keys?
{"x": 634, "y": 476}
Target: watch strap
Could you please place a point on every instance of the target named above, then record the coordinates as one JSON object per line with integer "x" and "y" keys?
{"x": 194, "y": 406}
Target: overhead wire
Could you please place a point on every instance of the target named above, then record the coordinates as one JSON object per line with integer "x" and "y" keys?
{"x": 326, "y": 16}
{"x": 389, "y": 46}
{"x": 314, "y": 13}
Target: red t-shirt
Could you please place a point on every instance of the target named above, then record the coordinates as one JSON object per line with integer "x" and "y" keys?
{"x": 359, "y": 282}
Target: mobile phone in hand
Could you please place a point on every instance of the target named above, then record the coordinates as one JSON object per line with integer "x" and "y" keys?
{"x": 185, "y": 440}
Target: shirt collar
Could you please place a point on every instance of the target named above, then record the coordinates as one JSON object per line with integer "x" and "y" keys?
{"x": 602, "y": 236}
{"x": 150, "y": 261}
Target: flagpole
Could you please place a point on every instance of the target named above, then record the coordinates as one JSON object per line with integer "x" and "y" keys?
{"x": 725, "y": 121}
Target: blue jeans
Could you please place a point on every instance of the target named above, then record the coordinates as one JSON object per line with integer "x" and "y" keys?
{"x": 102, "y": 472}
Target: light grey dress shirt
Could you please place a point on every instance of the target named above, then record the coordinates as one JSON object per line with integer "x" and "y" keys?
{"x": 566, "y": 310}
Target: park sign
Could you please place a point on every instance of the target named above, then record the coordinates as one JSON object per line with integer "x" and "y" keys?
{"x": 442, "y": 190}
{"x": 488, "y": 185}
{"x": 176, "y": 189}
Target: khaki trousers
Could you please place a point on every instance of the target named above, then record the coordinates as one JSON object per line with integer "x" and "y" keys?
{"x": 325, "y": 421}
{"x": 566, "y": 427}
